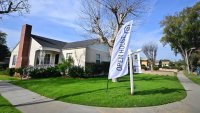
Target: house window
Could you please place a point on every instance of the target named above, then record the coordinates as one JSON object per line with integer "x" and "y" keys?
{"x": 135, "y": 57}
{"x": 98, "y": 58}
{"x": 14, "y": 59}
{"x": 68, "y": 55}
{"x": 47, "y": 59}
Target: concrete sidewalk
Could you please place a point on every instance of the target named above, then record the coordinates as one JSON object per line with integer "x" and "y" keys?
{"x": 30, "y": 102}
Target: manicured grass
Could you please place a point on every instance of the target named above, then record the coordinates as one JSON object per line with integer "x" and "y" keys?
{"x": 6, "y": 107}
{"x": 149, "y": 90}
{"x": 194, "y": 78}
{"x": 7, "y": 77}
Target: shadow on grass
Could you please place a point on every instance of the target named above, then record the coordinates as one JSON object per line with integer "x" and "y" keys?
{"x": 144, "y": 92}
{"x": 150, "y": 78}
{"x": 55, "y": 81}
{"x": 5, "y": 105}
{"x": 158, "y": 91}
{"x": 85, "y": 92}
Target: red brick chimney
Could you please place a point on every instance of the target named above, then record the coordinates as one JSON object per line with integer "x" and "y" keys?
{"x": 24, "y": 45}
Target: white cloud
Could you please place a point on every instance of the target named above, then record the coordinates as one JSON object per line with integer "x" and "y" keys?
{"x": 63, "y": 12}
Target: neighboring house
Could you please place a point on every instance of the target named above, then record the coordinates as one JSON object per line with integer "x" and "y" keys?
{"x": 164, "y": 62}
{"x": 144, "y": 61}
{"x": 33, "y": 50}
{"x": 157, "y": 63}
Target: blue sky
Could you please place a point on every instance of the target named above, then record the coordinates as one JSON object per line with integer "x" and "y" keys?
{"x": 60, "y": 22}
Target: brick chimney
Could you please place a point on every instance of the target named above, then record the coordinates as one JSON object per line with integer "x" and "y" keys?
{"x": 24, "y": 45}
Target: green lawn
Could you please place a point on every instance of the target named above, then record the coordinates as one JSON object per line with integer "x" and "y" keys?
{"x": 149, "y": 90}
{"x": 6, "y": 107}
{"x": 7, "y": 77}
{"x": 194, "y": 78}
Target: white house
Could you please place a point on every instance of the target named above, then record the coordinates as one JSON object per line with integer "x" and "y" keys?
{"x": 35, "y": 50}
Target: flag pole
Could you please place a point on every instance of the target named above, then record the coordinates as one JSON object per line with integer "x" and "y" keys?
{"x": 131, "y": 72}
{"x": 107, "y": 85}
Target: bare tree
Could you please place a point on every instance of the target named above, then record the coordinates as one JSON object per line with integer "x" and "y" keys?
{"x": 10, "y": 6}
{"x": 78, "y": 57}
{"x": 104, "y": 18}
{"x": 150, "y": 50}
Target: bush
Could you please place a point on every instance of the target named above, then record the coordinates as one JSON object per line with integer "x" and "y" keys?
{"x": 92, "y": 69}
{"x": 19, "y": 70}
{"x": 155, "y": 68}
{"x": 144, "y": 67}
{"x": 11, "y": 71}
{"x": 105, "y": 67}
{"x": 4, "y": 71}
{"x": 76, "y": 71}
{"x": 165, "y": 67}
{"x": 35, "y": 72}
{"x": 65, "y": 65}
{"x": 4, "y": 66}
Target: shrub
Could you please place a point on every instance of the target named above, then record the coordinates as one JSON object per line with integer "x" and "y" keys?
{"x": 4, "y": 66}
{"x": 76, "y": 71}
{"x": 65, "y": 65}
{"x": 4, "y": 71}
{"x": 19, "y": 70}
{"x": 144, "y": 67}
{"x": 165, "y": 67}
{"x": 92, "y": 69}
{"x": 155, "y": 68}
{"x": 180, "y": 68}
{"x": 38, "y": 72}
{"x": 105, "y": 67}
{"x": 11, "y": 71}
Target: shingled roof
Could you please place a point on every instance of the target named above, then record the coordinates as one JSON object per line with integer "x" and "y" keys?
{"x": 80, "y": 44}
{"x": 47, "y": 42}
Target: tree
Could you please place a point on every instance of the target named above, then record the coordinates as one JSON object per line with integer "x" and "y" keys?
{"x": 150, "y": 50}
{"x": 182, "y": 32}
{"x": 4, "y": 51}
{"x": 104, "y": 18}
{"x": 10, "y": 6}
{"x": 2, "y": 38}
{"x": 195, "y": 60}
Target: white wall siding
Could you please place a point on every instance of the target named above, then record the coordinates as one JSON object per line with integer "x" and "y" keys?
{"x": 78, "y": 55}
{"x": 34, "y": 46}
{"x": 101, "y": 49}
{"x": 14, "y": 52}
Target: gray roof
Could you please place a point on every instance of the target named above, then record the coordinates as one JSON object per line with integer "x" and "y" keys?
{"x": 81, "y": 44}
{"x": 47, "y": 42}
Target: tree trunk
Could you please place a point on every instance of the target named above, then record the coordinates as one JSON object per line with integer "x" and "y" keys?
{"x": 187, "y": 62}
{"x": 151, "y": 66}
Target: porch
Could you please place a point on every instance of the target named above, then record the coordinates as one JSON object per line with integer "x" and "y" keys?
{"x": 46, "y": 58}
